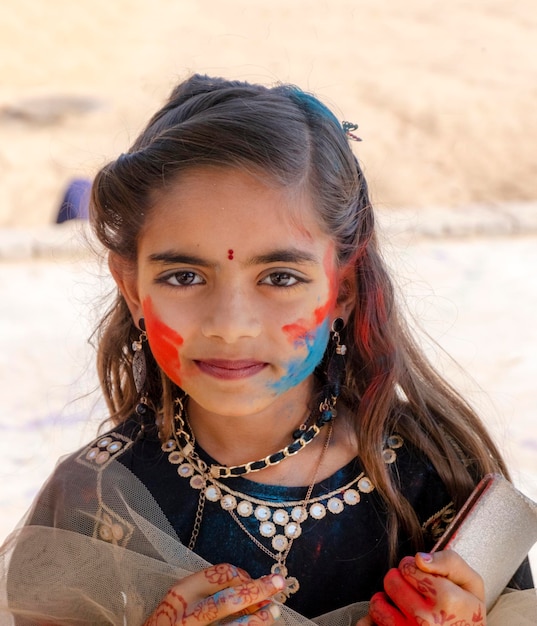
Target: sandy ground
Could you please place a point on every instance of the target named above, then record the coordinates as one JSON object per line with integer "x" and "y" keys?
{"x": 444, "y": 93}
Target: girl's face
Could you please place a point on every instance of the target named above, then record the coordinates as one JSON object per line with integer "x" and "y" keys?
{"x": 238, "y": 286}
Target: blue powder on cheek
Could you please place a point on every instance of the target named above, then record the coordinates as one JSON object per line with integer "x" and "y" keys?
{"x": 299, "y": 369}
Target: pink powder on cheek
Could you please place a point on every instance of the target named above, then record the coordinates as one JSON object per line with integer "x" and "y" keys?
{"x": 164, "y": 341}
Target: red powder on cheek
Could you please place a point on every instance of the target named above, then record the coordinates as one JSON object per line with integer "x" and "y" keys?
{"x": 295, "y": 332}
{"x": 322, "y": 311}
{"x": 299, "y": 330}
{"x": 164, "y": 341}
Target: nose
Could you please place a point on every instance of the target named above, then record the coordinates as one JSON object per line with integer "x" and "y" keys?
{"x": 230, "y": 316}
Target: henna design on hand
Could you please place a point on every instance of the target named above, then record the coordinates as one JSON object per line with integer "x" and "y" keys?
{"x": 445, "y": 620}
{"x": 222, "y": 590}
{"x": 425, "y": 586}
{"x": 247, "y": 593}
{"x": 383, "y": 614}
{"x": 222, "y": 573}
{"x": 206, "y": 611}
{"x": 166, "y": 614}
{"x": 477, "y": 617}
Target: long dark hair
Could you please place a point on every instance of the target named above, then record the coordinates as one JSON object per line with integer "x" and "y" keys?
{"x": 291, "y": 138}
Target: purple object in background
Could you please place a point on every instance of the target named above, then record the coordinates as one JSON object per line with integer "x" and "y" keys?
{"x": 75, "y": 201}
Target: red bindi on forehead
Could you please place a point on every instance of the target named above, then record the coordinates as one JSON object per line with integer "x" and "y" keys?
{"x": 230, "y": 254}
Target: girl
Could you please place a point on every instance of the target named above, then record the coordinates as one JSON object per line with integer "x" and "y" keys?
{"x": 272, "y": 415}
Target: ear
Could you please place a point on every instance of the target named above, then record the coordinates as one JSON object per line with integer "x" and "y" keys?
{"x": 346, "y": 298}
{"x": 125, "y": 274}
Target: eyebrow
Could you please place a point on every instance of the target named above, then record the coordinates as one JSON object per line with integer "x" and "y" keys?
{"x": 176, "y": 258}
{"x": 288, "y": 255}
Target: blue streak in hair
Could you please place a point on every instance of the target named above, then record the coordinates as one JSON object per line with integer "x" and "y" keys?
{"x": 311, "y": 104}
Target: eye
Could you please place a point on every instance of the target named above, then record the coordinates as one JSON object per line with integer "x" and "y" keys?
{"x": 182, "y": 279}
{"x": 281, "y": 279}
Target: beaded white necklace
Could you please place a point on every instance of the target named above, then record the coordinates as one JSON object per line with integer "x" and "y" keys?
{"x": 279, "y": 522}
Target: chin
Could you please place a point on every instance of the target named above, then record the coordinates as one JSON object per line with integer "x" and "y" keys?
{"x": 233, "y": 404}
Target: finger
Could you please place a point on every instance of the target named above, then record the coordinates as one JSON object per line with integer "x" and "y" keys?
{"x": 255, "y": 607}
{"x": 449, "y": 564}
{"x": 383, "y": 613}
{"x": 409, "y": 597}
{"x": 242, "y": 575}
{"x": 210, "y": 580}
{"x": 264, "y": 616}
{"x": 425, "y": 583}
{"x": 237, "y": 599}
{"x": 194, "y": 588}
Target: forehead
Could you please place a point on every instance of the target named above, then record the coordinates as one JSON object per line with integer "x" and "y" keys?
{"x": 234, "y": 204}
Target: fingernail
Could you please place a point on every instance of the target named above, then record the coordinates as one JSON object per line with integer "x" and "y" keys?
{"x": 275, "y": 611}
{"x": 425, "y": 556}
{"x": 278, "y": 581}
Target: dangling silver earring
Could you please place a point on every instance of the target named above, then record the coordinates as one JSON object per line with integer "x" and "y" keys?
{"x": 139, "y": 369}
{"x": 335, "y": 371}
{"x": 337, "y": 326}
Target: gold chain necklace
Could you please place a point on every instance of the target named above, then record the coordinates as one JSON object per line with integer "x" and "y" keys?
{"x": 284, "y": 542}
{"x": 303, "y": 436}
{"x": 202, "y": 479}
{"x": 280, "y": 525}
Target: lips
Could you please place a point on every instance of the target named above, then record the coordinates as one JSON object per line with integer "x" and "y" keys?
{"x": 230, "y": 370}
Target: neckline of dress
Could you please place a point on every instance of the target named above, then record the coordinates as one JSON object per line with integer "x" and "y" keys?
{"x": 271, "y": 491}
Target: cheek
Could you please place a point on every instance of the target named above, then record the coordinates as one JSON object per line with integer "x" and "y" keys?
{"x": 298, "y": 369}
{"x": 165, "y": 343}
{"x": 333, "y": 278}
{"x": 323, "y": 312}
{"x": 312, "y": 334}
{"x": 315, "y": 345}
{"x": 303, "y": 330}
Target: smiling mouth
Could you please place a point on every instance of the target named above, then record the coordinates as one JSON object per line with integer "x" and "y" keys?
{"x": 230, "y": 370}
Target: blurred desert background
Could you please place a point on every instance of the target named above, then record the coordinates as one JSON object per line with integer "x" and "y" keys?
{"x": 445, "y": 95}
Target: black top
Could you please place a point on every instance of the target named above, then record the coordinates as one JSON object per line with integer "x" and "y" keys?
{"x": 339, "y": 559}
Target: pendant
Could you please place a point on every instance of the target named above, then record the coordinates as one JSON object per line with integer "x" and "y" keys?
{"x": 279, "y": 568}
{"x": 280, "y": 517}
{"x": 245, "y": 508}
{"x": 291, "y": 586}
{"x": 280, "y": 543}
{"x": 197, "y": 482}
{"x": 291, "y": 583}
{"x": 175, "y": 457}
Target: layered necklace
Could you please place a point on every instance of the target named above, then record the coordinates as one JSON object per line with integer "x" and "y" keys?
{"x": 279, "y": 524}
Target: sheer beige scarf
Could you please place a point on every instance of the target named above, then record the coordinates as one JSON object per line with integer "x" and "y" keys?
{"x": 100, "y": 551}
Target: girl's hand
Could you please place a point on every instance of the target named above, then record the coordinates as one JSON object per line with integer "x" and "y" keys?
{"x": 430, "y": 589}
{"x": 220, "y": 594}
